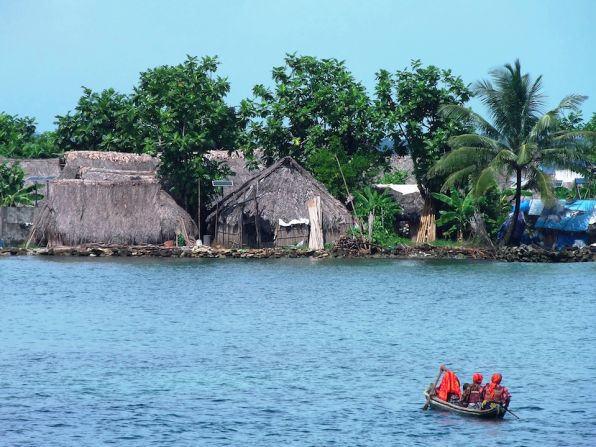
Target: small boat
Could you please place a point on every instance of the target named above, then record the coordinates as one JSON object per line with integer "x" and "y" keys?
{"x": 495, "y": 412}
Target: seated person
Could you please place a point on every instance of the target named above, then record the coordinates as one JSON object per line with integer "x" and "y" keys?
{"x": 449, "y": 389}
{"x": 472, "y": 396}
{"x": 494, "y": 392}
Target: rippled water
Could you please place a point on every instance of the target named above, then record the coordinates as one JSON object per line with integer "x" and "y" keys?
{"x": 148, "y": 352}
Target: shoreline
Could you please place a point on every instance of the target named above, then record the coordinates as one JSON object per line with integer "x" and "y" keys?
{"x": 509, "y": 254}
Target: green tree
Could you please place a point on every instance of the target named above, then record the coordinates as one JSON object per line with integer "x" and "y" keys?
{"x": 381, "y": 208}
{"x": 321, "y": 116}
{"x": 13, "y": 191}
{"x": 182, "y": 115}
{"x": 18, "y": 138}
{"x": 459, "y": 214}
{"x": 105, "y": 121}
{"x": 409, "y": 102}
{"x": 518, "y": 142}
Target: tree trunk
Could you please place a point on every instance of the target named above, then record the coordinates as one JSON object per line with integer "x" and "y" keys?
{"x": 513, "y": 226}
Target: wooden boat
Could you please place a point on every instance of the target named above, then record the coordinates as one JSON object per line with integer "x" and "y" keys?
{"x": 496, "y": 412}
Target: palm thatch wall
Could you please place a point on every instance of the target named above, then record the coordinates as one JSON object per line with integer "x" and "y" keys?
{"x": 128, "y": 212}
{"x": 250, "y": 215}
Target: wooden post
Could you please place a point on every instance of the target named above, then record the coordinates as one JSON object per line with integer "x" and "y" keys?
{"x": 315, "y": 241}
{"x": 257, "y": 223}
{"x": 199, "y": 208}
{"x": 216, "y": 221}
{"x": 241, "y": 226}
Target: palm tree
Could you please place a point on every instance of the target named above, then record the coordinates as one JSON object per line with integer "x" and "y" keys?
{"x": 518, "y": 142}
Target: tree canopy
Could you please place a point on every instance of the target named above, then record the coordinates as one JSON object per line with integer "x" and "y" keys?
{"x": 19, "y": 139}
{"x": 409, "y": 102}
{"x": 321, "y": 116}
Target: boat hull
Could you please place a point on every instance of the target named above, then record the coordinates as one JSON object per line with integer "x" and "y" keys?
{"x": 497, "y": 412}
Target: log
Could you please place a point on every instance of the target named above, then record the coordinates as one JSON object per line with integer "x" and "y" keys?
{"x": 315, "y": 213}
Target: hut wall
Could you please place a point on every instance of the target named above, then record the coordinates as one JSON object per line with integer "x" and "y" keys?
{"x": 291, "y": 235}
{"x": 129, "y": 213}
{"x": 15, "y": 224}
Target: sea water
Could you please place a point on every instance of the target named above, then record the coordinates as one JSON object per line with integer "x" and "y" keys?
{"x": 293, "y": 352}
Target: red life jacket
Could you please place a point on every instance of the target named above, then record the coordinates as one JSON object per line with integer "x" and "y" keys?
{"x": 494, "y": 393}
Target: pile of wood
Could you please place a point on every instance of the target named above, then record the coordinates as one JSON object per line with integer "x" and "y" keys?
{"x": 353, "y": 245}
{"x": 427, "y": 231}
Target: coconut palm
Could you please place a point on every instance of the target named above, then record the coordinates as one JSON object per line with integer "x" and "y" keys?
{"x": 519, "y": 141}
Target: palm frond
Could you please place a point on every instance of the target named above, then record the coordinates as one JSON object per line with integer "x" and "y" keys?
{"x": 542, "y": 182}
{"x": 458, "y": 177}
{"x": 461, "y": 158}
{"x": 571, "y": 102}
{"x": 473, "y": 140}
{"x": 526, "y": 153}
{"x": 486, "y": 180}
{"x": 460, "y": 113}
{"x": 505, "y": 157}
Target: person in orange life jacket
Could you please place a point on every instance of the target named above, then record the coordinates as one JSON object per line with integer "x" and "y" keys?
{"x": 449, "y": 389}
{"x": 472, "y": 396}
{"x": 495, "y": 392}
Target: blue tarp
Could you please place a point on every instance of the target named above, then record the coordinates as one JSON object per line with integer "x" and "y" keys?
{"x": 567, "y": 216}
{"x": 524, "y": 206}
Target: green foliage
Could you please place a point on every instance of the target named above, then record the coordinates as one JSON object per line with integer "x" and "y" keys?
{"x": 316, "y": 112}
{"x": 397, "y": 177}
{"x": 457, "y": 218}
{"x": 495, "y": 207}
{"x": 182, "y": 116}
{"x": 409, "y": 103}
{"x": 383, "y": 209}
{"x": 180, "y": 241}
{"x": 519, "y": 141}
{"x": 18, "y": 139}
{"x": 105, "y": 121}
{"x": 12, "y": 189}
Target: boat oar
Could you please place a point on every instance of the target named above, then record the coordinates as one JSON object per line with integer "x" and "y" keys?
{"x": 426, "y": 405}
{"x": 509, "y": 411}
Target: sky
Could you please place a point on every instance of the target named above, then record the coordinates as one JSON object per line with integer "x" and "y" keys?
{"x": 49, "y": 49}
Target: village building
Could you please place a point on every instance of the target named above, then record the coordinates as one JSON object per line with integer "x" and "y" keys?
{"x": 270, "y": 210}
{"x": 109, "y": 198}
{"x": 566, "y": 223}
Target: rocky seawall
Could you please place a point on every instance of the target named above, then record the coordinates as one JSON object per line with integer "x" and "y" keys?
{"x": 508, "y": 254}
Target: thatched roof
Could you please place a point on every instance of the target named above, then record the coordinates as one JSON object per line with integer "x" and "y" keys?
{"x": 409, "y": 198}
{"x": 36, "y": 168}
{"x": 404, "y": 163}
{"x": 282, "y": 191}
{"x": 129, "y": 212}
{"x": 79, "y": 163}
{"x": 236, "y": 161}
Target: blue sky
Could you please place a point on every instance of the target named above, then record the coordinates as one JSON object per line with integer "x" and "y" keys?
{"x": 50, "y": 48}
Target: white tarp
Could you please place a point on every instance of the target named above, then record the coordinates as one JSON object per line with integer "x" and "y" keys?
{"x": 402, "y": 189}
{"x": 301, "y": 221}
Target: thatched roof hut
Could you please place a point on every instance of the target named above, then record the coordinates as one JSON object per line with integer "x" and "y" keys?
{"x": 270, "y": 209}
{"x": 37, "y": 170}
{"x": 109, "y": 198}
{"x": 412, "y": 203}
